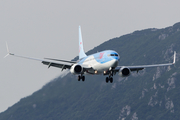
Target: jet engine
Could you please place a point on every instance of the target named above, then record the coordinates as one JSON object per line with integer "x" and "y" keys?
{"x": 124, "y": 72}
{"x": 76, "y": 69}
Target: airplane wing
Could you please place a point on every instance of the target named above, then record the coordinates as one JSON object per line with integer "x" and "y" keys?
{"x": 50, "y": 63}
{"x": 63, "y": 64}
{"x": 141, "y": 67}
{"x": 47, "y": 61}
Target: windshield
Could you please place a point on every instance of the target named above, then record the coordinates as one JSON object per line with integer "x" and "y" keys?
{"x": 113, "y": 54}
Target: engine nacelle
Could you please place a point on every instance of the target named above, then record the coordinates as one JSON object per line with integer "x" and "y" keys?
{"x": 76, "y": 69}
{"x": 124, "y": 72}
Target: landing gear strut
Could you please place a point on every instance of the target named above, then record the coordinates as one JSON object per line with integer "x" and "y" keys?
{"x": 81, "y": 77}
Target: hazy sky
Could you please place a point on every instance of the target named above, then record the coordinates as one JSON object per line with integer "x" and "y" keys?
{"x": 44, "y": 28}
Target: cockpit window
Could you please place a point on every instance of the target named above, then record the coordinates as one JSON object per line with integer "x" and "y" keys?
{"x": 113, "y": 55}
{"x": 116, "y": 54}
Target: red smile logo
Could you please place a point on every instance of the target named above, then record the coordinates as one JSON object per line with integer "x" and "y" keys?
{"x": 101, "y": 55}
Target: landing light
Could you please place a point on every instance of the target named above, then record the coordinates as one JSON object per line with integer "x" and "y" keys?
{"x": 95, "y": 72}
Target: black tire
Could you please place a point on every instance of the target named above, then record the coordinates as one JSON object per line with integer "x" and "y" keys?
{"x": 111, "y": 80}
{"x": 107, "y": 79}
{"x": 83, "y": 78}
{"x": 79, "y": 78}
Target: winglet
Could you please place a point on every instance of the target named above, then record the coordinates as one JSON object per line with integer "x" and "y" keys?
{"x": 174, "y": 61}
{"x": 8, "y": 53}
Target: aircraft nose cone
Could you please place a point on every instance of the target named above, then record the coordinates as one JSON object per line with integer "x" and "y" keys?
{"x": 115, "y": 63}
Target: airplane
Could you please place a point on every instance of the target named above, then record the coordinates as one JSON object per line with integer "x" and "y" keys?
{"x": 101, "y": 63}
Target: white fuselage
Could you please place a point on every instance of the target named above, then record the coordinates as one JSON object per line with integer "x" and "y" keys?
{"x": 100, "y": 62}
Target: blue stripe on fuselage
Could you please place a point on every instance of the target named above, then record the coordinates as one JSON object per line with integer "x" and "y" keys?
{"x": 102, "y": 57}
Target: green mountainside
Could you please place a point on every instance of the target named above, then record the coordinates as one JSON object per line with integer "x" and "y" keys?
{"x": 151, "y": 94}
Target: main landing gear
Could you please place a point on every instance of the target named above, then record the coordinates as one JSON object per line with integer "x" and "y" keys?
{"x": 81, "y": 77}
{"x": 109, "y": 79}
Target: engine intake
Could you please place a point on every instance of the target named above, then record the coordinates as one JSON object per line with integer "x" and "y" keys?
{"x": 76, "y": 69}
{"x": 124, "y": 72}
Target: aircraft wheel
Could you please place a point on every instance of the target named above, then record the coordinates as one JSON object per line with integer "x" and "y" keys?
{"x": 79, "y": 78}
{"x": 83, "y": 78}
{"x": 111, "y": 79}
{"x": 107, "y": 79}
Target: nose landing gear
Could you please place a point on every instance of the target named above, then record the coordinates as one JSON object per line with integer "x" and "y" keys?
{"x": 110, "y": 78}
